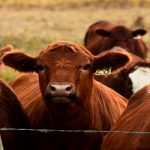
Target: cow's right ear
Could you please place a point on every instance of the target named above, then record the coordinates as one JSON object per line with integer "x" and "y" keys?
{"x": 139, "y": 32}
{"x": 20, "y": 61}
{"x": 113, "y": 59}
{"x": 102, "y": 32}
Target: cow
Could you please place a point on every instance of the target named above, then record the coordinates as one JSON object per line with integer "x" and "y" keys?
{"x": 133, "y": 126}
{"x": 103, "y": 35}
{"x": 59, "y": 92}
{"x": 12, "y": 115}
{"x": 129, "y": 78}
{"x": 3, "y": 50}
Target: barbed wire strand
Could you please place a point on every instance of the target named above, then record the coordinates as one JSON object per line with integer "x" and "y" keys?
{"x": 72, "y": 131}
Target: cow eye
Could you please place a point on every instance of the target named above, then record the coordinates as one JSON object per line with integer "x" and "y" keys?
{"x": 87, "y": 66}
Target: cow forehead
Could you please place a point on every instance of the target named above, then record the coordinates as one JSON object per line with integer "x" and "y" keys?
{"x": 121, "y": 29}
{"x": 65, "y": 47}
{"x": 64, "y": 59}
{"x": 121, "y": 33}
{"x": 65, "y": 54}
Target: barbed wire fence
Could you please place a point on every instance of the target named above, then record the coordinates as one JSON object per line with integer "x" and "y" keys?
{"x": 67, "y": 131}
{"x": 72, "y": 131}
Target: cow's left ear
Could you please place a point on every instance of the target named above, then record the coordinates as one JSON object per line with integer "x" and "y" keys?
{"x": 110, "y": 59}
{"x": 20, "y": 61}
{"x": 139, "y": 32}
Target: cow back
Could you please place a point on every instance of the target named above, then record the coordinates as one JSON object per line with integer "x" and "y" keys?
{"x": 135, "y": 119}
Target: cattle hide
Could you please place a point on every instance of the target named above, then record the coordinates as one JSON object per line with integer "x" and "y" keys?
{"x": 135, "y": 119}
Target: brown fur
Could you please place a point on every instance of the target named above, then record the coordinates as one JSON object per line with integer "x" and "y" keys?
{"x": 97, "y": 41}
{"x": 95, "y": 106}
{"x": 13, "y": 116}
{"x": 3, "y": 50}
{"x": 135, "y": 118}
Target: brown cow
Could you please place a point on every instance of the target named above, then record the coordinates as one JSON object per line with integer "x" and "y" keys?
{"x": 3, "y": 50}
{"x": 12, "y": 115}
{"x": 120, "y": 80}
{"x": 68, "y": 97}
{"x": 135, "y": 119}
{"x": 129, "y": 78}
{"x": 103, "y": 35}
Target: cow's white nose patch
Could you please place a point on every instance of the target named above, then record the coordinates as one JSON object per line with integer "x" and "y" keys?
{"x": 140, "y": 77}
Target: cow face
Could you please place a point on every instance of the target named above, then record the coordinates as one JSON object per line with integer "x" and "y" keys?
{"x": 65, "y": 74}
{"x": 120, "y": 36}
{"x": 65, "y": 71}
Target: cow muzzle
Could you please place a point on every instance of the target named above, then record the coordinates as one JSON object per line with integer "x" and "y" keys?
{"x": 60, "y": 93}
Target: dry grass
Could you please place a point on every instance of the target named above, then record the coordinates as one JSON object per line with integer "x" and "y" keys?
{"x": 49, "y": 3}
{"x": 31, "y": 29}
{"x": 45, "y": 2}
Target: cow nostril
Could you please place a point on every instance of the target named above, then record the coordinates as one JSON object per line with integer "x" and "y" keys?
{"x": 53, "y": 88}
{"x": 69, "y": 88}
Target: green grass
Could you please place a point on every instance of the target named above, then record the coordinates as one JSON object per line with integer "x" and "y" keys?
{"x": 8, "y": 74}
{"x": 32, "y": 28}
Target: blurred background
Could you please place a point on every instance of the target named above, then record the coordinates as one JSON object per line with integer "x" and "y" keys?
{"x": 30, "y": 25}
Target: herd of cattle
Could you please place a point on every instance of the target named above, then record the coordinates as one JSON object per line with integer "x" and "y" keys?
{"x": 91, "y": 97}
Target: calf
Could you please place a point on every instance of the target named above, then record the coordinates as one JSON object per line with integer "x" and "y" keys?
{"x": 12, "y": 115}
{"x": 64, "y": 96}
{"x": 103, "y": 35}
{"x": 136, "y": 118}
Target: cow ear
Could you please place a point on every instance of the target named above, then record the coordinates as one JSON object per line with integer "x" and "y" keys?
{"x": 139, "y": 32}
{"x": 102, "y": 32}
{"x": 20, "y": 61}
{"x": 110, "y": 60}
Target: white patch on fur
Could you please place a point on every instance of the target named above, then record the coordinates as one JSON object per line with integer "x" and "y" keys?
{"x": 140, "y": 77}
{"x": 138, "y": 37}
{"x": 118, "y": 48}
{"x": 1, "y": 145}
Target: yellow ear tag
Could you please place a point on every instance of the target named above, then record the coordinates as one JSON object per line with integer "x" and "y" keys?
{"x": 103, "y": 71}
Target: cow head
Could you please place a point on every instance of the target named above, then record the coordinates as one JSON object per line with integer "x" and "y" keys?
{"x": 65, "y": 71}
{"x": 120, "y": 80}
{"x": 120, "y": 36}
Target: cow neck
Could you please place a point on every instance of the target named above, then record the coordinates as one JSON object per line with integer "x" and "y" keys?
{"x": 99, "y": 109}
{"x": 78, "y": 120}
{"x": 139, "y": 77}
{"x": 37, "y": 113}
{"x": 111, "y": 105}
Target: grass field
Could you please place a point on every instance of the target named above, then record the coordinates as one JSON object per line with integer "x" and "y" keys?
{"x": 49, "y": 3}
{"x": 32, "y": 28}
